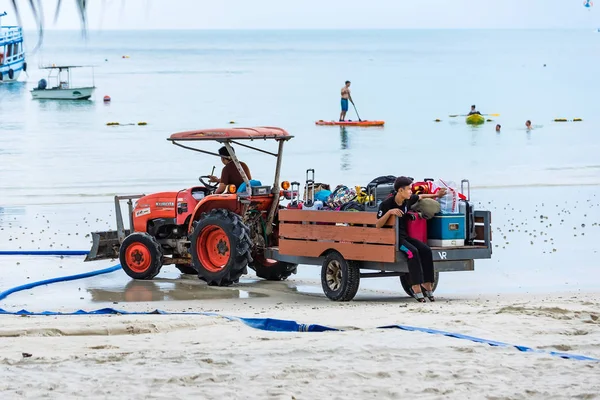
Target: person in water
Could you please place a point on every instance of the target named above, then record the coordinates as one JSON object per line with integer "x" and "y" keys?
{"x": 498, "y": 126}
{"x": 229, "y": 175}
{"x": 528, "y": 124}
{"x": 345, "y": 97}
{"x": 420, "y": 259}
{"x": 473, "y": 111}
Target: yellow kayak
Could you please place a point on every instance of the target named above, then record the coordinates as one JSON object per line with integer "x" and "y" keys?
{"x": 475, "y": 119}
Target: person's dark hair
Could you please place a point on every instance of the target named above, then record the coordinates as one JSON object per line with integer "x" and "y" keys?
{"x": 402, "y": 181}
{"x": 224, "y": 152}
{"x": 473, "y": 106}
{"x": 347, "y": 82}
{"x": 499, "y": 126}
{"x": 528, "y": 121}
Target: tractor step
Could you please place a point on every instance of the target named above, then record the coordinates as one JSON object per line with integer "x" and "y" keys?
{"x": 105, "y": 246}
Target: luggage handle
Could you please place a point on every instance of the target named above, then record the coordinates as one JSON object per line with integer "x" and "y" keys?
{"x": 310, "y": 183}
{"x": 297, "y": 185}
{"x": 462, "y": 188}
{"x": 308, "y": 171}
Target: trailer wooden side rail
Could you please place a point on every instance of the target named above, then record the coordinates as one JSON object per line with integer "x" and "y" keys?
{"x": 351, "y": 240}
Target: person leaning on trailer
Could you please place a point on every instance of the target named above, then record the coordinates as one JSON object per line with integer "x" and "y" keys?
{"x": 420, "y": 259}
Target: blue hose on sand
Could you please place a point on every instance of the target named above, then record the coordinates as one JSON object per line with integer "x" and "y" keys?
{"x": 267, "y": 324}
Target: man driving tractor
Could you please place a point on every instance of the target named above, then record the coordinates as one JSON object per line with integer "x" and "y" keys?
{"x": 229, "y": 175}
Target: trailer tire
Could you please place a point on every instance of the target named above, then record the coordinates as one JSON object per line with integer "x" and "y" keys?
{"x": 140, "y": 256}
{"x": 407, "y": 285}
{"x": 340, "y": 278}
{"x": 186, "y": 269}
{"x": 220, "y": 247}
{"x": 272, "y": 271}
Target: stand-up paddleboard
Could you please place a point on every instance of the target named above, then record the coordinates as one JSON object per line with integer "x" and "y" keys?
{"x": 350, "y": 123}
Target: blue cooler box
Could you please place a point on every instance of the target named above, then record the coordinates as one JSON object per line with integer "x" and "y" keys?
{"x": 446, "y": 230}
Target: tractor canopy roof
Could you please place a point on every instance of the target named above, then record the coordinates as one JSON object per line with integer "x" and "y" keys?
{"x": 228, "y": 134}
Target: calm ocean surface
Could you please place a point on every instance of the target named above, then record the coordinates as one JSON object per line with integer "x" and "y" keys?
{"x": 60, "y": 157}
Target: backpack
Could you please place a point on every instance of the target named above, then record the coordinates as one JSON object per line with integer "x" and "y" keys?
{"x": 340, "y": 196}
{"x": 381, "y": 180}
{"x": 352, "y": 206}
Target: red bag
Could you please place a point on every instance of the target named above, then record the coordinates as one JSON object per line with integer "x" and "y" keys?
{"x": 417, "y": 228}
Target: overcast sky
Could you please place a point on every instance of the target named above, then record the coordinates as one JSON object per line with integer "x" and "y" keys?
{"x": 316, "y": 14}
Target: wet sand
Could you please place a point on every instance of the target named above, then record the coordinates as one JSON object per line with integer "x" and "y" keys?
{"x": 538, "y": 290}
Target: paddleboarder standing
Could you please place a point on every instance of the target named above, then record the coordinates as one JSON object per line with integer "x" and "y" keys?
{"x": 345, "y": 97}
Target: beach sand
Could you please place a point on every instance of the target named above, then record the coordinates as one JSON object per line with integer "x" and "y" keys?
{"x": 166, "y": 356}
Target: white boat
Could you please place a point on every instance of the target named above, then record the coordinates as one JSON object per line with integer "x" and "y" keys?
{"x": 61, "y": 75}
{"x": 12, "y": 54}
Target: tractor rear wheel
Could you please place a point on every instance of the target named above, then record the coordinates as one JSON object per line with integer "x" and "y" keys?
{"x": 220, "y": 247}
{"x": 272, "y": 270}
{"x": 140, "y": 256}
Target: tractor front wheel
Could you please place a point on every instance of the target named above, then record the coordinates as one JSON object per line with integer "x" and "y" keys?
{"x": 220, "y": 247}
{"x": 140, "y": 256}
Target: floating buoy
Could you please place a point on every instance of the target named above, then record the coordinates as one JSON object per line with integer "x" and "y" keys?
{"x": 106, "y": 99}
{"x": 577, "y": 120}
{"x": 437, "y": 120}
{"x": 142, "y": 123}
{"x": 489, "y": 120}
{"x": 560, "y": 120}
{"x": 232, "y": 122}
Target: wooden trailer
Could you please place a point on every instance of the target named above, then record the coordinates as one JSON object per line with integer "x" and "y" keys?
{"x": 349, "y": 247}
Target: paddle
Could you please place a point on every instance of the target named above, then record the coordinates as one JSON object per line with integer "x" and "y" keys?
{"x": 359, "y": 120}
{"x": 466, "y": 115}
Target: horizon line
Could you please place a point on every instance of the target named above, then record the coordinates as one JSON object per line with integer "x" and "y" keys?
{"x": 295, "y": 29}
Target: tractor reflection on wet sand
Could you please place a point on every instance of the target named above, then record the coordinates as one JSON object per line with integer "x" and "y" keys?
{"x": 216, "y": 236}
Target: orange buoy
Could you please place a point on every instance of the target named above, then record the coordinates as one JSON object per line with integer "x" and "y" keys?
{"x": 106, "y": 99}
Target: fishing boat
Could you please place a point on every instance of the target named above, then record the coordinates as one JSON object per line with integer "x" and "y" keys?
{"x": 63, "y": 90}
{"x": 12, "y": 54}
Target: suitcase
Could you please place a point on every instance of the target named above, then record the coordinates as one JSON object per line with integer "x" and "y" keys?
{"x": 309, "y": 192}
{"x": 378, "y": 193}
{"x": 295, "y": 203}
{"x": 465, "y": 207}
{"x": 416, "y": 228}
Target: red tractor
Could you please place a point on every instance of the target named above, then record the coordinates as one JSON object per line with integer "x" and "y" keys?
{"x": 216, "y": 236}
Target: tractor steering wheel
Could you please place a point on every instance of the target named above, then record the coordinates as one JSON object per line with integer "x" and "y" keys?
{"x": 212, "y": 187}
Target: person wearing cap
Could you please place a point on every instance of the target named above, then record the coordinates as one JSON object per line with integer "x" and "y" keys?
{"x": 230, "y": 174}
{"x": 473, "y": 110}
{"x": 420, "y": 258}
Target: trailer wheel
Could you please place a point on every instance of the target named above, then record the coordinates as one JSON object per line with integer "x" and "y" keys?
{"x": 220, "y": 247}
{"x": 272, "y": 270}
{"x": 140, "y": 256}
{"x": 186, "y": 269}
{"x": 340, "y": 278}
{"x": 407, "y": 285}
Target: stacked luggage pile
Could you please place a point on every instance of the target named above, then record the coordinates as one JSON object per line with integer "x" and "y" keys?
{"x": 446, "y": 222}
